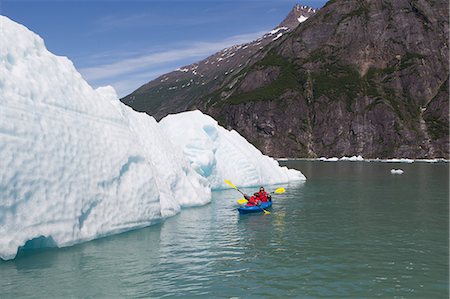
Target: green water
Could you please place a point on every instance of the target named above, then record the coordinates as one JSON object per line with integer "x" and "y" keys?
{"x": 353, "y": 230}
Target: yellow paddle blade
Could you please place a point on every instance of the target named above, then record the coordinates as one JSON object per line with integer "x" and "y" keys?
{"x": 266, "y": 212}
{"x": 242, "y": 201}
{"x": 280, "y": 190}
{"x": 230, "y": 184}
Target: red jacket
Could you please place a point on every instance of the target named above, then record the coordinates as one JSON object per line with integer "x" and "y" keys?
{"x": 262, "y": 196}
{"x": 253, "y": 201}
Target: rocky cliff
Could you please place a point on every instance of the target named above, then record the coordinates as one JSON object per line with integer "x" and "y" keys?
{"x": 356, "y": 77}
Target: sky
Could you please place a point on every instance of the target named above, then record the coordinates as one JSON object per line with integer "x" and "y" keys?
{"x": 128, "y": 43}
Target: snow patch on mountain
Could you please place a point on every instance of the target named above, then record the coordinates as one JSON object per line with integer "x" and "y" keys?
{"x": 301, "y": 19}
{"x": 278, "y": 36}
{"x": 276, "y": 30}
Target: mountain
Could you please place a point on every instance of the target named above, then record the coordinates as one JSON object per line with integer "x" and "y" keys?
{"x": 179, "y": 90}
{"x": 358, "y": 77}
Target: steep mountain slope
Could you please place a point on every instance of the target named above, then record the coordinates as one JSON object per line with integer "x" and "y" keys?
{"x": 358, "y": 77}
{"x": 178, "y": 90}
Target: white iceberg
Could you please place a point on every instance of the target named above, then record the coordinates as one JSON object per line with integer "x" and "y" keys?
{"x": 333, "y": 159}
{"x": 352, "y": 158}
{"x": 394, "y": 160}
{"x": 396, "y": 171}
{"x": 76, "y": 164}
{"x": 219, "y": 154}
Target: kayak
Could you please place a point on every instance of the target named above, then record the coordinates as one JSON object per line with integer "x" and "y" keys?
{"x": 255, "y": 209}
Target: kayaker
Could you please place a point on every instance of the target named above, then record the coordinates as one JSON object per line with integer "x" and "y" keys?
{"x": 253, "y": 200}
{"x": 263, "y": 195}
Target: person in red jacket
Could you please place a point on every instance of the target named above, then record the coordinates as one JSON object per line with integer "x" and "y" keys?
{"x": 253, "y": 200}
{"x": 263, "y": 195}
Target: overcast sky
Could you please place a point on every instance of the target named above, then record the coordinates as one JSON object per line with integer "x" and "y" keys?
{"x": 127, "y": 43}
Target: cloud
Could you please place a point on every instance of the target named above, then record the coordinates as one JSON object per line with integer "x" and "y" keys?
{"x": 151, "y": 20}
{"x": 135, "y": 67}
{"x": 111, "y": 22}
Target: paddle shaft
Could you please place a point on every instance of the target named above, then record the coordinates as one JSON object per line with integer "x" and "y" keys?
{"x": 233, "y": 186}
{"x": 265, "y": 211}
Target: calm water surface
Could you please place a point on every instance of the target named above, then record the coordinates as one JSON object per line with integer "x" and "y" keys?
{"x": 352, "y": 230}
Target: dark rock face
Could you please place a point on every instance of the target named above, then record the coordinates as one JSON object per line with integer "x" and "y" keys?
{"x": 357, "y": 77}
{"x": 436, "y": 122}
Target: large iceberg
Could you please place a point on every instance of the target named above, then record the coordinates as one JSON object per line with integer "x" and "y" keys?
{"x": 77, "y": 164}
{"x": 219, "y": 154}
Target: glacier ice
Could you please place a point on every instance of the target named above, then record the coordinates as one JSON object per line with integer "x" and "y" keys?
{"x": 352, "y": 158}
{"x": 397, "y": 171}
{"x": 77, "y": 164}
{"x": 217, "y": 153}
{"x": 333, "y": 159}
{"x": 396, "y": 160}
{"x": 344, "y": 158}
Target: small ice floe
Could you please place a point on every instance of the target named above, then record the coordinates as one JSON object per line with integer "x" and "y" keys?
{"x": 352, "y": 158}
{"x": 395, "y": 160}
{"x": 437, "y": 160}
{"x": 333, "y": 159}
{"x": 396, "y": 171}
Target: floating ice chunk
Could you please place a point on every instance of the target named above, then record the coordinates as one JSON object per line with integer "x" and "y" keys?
{"x": 397, "y": 171}
{"x": 428, "y": 160}
{"x": 77, "y": 164}
{"x": 438, "y": 160}
{"x": 333, "y": 159}
{"x": 395, "y": 160}
{"x": 219, "y": 154}
{"x": 352, "y": 158}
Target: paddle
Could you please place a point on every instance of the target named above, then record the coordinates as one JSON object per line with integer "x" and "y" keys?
{"x": 265, "y": 211}
{"x": 233, "y": 186}
{"x": 242, "y": 201}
